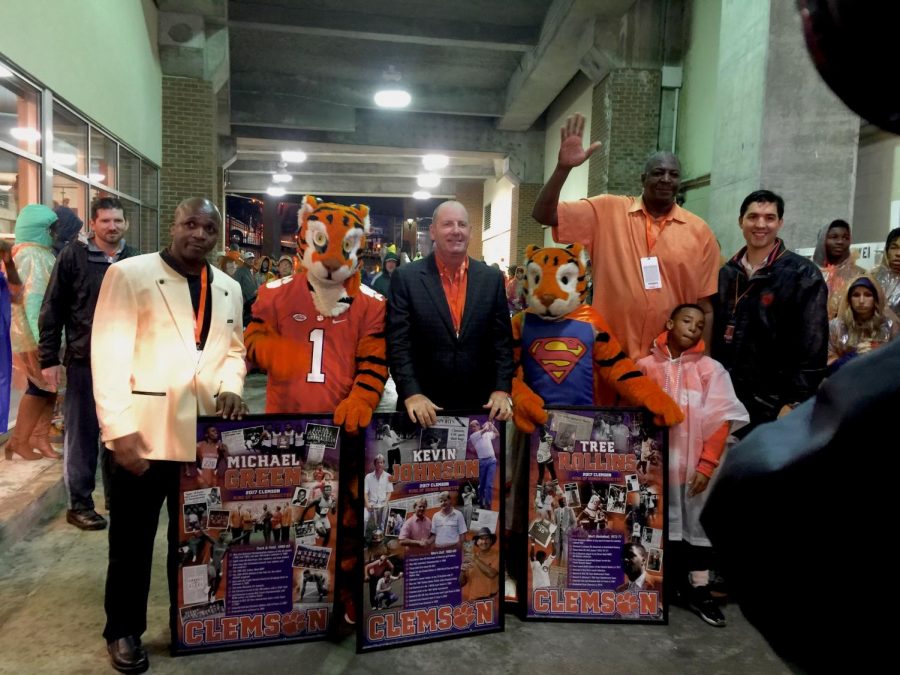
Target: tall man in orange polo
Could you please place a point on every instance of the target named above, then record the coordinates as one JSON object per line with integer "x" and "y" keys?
{"x": 448, "y": 331}
{"x": 649, "y": 254}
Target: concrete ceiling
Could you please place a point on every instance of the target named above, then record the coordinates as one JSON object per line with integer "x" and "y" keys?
{"x": 302, "y": 75}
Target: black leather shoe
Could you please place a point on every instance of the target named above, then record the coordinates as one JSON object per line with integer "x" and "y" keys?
{"x": 86, "y": 519}
{"x": 127, "y": 655}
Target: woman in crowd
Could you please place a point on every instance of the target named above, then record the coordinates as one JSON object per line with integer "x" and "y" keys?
{"x": 863, "y": 322}
{"x": 888, "y": 272}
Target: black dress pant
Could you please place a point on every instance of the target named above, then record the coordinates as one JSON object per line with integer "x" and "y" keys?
{"x": 134, "y": 518}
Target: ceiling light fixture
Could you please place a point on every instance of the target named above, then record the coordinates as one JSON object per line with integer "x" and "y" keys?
{"x": 392, "y": 96}
{"x": 435, "y": 162}
{"x": 5, "y": 188}
{"x": 421, "y": 194}
{"x": 4, "y": 71}
{"x": 282, "y": 176}
{"x": 97, "y": 177}
{"x": 293, "y": 156}
{"x": 428, "y": 180}
{"x": 25, "y": 134}
{"x": 275, "y": 191}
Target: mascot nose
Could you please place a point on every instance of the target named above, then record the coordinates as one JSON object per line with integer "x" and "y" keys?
{"x": 547, "y": 299}
{"x": 331, "y": 264}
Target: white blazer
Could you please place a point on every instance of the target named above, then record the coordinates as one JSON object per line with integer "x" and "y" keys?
{"x": 148, "y": 375}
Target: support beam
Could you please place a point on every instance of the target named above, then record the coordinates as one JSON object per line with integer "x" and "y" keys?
{"x": 566, "y": 37}
{"x": 357, "y": 167}
{"x": 414, "y": 29}
{"x": 332, "y": 185}
{"x": 290, "y": 112}
{"x": 399, "y": 130}
{"x": 249, "y": 88}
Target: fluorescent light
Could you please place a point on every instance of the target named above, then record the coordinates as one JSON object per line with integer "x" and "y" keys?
{"x": 428, "y": 180}
{"x": 5, "y": 188}
{"x": 4, "y": 71}
{"x": 392, "y": 98}
{"x": 97, "y": 177}
{"x": 421, "y": 194}
{"x": 282, "y": 177}
{"x": 25, "y": 134}
{"x": 435, "y": 162}
{"x": 64, "y": 158}
{"x": 295, "y": 156}
{"x": 275, "y": 191}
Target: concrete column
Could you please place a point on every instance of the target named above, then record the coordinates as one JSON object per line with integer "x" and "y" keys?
{"x": 190, "y": 146}
{"x": 625, "y": 118}
{"x": 525, "y": 229}
{"x": 778, "y": 127}
{"x": 471, "y": 195}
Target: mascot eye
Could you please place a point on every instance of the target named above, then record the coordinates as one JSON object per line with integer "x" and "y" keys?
{"x": 348, "y": 245}
{"x": 319, "y": 239}
{"x": 565, "y": 281}
{"x": 537, "y": 278}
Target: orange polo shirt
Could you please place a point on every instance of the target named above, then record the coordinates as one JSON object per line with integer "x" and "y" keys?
{"x": 454, "y": 283}
{"x": 618, "y": 232}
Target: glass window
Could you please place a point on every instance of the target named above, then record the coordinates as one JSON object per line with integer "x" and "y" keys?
{"x": 149, "y": 185}
{"x": 20, "y": 114}
{"x": 20, "y": 184}
{"x": 133, "y": 216}
{"x": 149, "y": 230}
{"x": 72, "y": 193}
{"x": 69, "y": 141}
{"x": 129, "y": 173}
{"x": 104, "y": 164}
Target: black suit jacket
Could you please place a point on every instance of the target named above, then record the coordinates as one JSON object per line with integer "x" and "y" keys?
{"x": 424, "y": 352}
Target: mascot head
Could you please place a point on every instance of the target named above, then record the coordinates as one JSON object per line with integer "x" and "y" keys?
{"x": 556, "y": 280}
{"x": 330, "y": 239}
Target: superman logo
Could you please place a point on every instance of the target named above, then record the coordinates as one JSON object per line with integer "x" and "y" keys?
{"x": 558, "y": 355}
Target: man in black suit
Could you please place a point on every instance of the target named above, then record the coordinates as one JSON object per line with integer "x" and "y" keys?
{"x": 448, "y": 330}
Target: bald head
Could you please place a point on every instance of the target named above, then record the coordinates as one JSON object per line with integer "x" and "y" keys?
{"x": 450, "y": 231}
{"x": 193, "y": 205}
{"x": 663, "y": 156}
{"x": 195, "y": 233}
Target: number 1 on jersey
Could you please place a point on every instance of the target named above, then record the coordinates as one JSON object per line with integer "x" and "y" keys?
{"x": 317, "y": 337}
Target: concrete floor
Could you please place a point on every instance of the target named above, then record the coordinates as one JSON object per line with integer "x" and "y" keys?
{"x": 51, "y": 618}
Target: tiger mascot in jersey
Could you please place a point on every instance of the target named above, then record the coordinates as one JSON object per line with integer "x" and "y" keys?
{"x": 319, "y": 334}
{"x": 564, "y": 348}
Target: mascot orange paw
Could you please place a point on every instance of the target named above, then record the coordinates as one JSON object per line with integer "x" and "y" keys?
{"x": 353, "y": 414}
{"x": 528, "y": 407}
{"x": 666, "y": 412}
{"x": 281, "y": 357}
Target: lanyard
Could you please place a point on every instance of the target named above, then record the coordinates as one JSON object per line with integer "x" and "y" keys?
{"x": 201, "y": 310}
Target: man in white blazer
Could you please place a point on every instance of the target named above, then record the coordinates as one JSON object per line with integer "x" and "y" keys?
{"x": 167, "y": 345}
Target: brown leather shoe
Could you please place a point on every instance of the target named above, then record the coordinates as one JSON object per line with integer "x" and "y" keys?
{"x": 85, "y": 519}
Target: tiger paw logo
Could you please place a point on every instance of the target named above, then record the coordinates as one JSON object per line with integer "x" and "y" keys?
{"x": 293, "y": 623}
{"x": 558, "y": 356}
{"x": 626, "y": 603}
{"x": 463, "y": 616}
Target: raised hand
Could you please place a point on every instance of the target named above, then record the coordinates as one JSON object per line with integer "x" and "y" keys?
{"x": 572, "y": 152}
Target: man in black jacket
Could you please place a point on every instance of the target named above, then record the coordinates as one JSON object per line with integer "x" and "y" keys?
{"x": 69, "y": 304}
{"x": 448, "y": 330}
{"x": 771, "y": 320}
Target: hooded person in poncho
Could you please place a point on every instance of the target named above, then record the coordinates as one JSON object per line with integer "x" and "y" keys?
{"x": 33, "y": 255}
{"x": 835, "y": 261}
{"x": 703, "y": 390}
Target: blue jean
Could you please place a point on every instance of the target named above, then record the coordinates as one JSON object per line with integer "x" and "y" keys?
{"x": 487, "y": 469}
